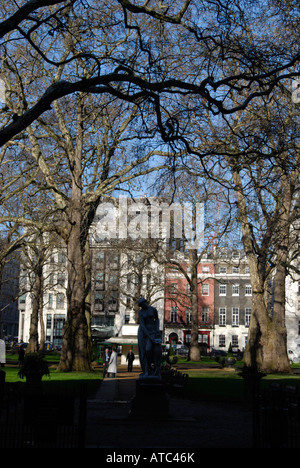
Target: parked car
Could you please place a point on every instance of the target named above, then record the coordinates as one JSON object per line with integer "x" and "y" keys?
{"x": 182, "y": 351}
{"x": 21, "y": 345}
{"x": 293, "y": 356}
{"x": 217, "y": 353}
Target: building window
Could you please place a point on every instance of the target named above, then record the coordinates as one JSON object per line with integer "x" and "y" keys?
{"x": 247, "y": 316}
{"x": 60, "y": 301}
{"x": 61, "y": 279}
{"x": 235, "y": 341}
{"x": 51, "y": 279}
{"x": 205, "y": 269}
{"x": 204, "y": 314}
{"x": 113, "y": 280}
{"x": 99, "y": 280}
{"x": 173, "y": 288}
{"x": 235, "y": 316}
{"x": 58, "y": 325}
{"x": 98, "y": 300}
{"x": 205, "y": 289}
{"x": 222, "y": 289}
{"x": 174, "y": 314}
{"x": 235, "y": 289}
{"x": 99, "y": 257}
{"x": 248, "y": 290}
{"x": 203, "y": 339}
{"x": 113, "y": 301}
{"x": 61, "y": 258}
{"x": 23, "y": 299}
{"x": 222, "y": 341}
{"x": 50, "y": 300}
{"x": 223, "y": 269}
{"x": 235, "y": 270}
{"x": 188, "y": 315}
{"x": 49, "y": 326}
{"x": 114, "y": 261}
{"x": 222, "y": 316}
{"x": 247, "y": 270}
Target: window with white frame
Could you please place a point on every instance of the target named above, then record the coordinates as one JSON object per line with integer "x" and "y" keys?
{"x": 248, "y": 290}
{"x": 235, "y": 270}
{"x": 247, "y": 316}
{"x": 188, "y": 315}
{"x": 22, "y": 299}
{"x": 222, "y": 289}
{"x": 223, "y": 270}
{"x": 235, "y": 341}
{"x": 49, "y": 326}
{"x": 222, "y": 316}
{"x": 203, "y": 339}
{"x": 205, "y": 269}
{"x": 222, "y": 341}
{"x": 205, "y": 289}
{"x": 235, "y": 316}
{"x": 174, "y": 314}
{"x": 204, "y": 314}
{"x": 235, "y": 289}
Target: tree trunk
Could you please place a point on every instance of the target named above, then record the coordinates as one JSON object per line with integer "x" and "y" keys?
{"x": 75, "y": 355}
{"x": 266, "y": 343}
{"x": 37, "y": 293}
{"x": 195, "y": 348}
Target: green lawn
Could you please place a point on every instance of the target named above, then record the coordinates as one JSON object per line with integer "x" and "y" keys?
{"x": 58, "y": 381}
{"x": 215, "y": 385}
{"x": 226, "y": 385}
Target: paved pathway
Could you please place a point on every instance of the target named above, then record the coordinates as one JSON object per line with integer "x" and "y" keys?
{"x": 190, "y": 425}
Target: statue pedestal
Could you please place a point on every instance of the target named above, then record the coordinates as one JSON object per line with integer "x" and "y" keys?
{"x": 150, "y": 401}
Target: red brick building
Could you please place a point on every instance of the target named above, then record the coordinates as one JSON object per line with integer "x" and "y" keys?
{"x": 177, "y": 313}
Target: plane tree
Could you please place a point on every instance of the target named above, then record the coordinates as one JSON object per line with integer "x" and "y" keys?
{"x": 198, "y": 39}
{"x": 149, "y": 65}
{"x": 256, "y": 156}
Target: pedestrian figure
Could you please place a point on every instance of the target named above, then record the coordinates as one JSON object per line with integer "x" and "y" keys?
{"x": 112, "y": 365}
{"x": 130, "y": 358}
{"x": 106, "y": 358}
{"x": 21, "y": 355}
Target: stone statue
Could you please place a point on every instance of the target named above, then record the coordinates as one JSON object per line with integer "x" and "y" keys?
{"x": 149, "y": 340}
